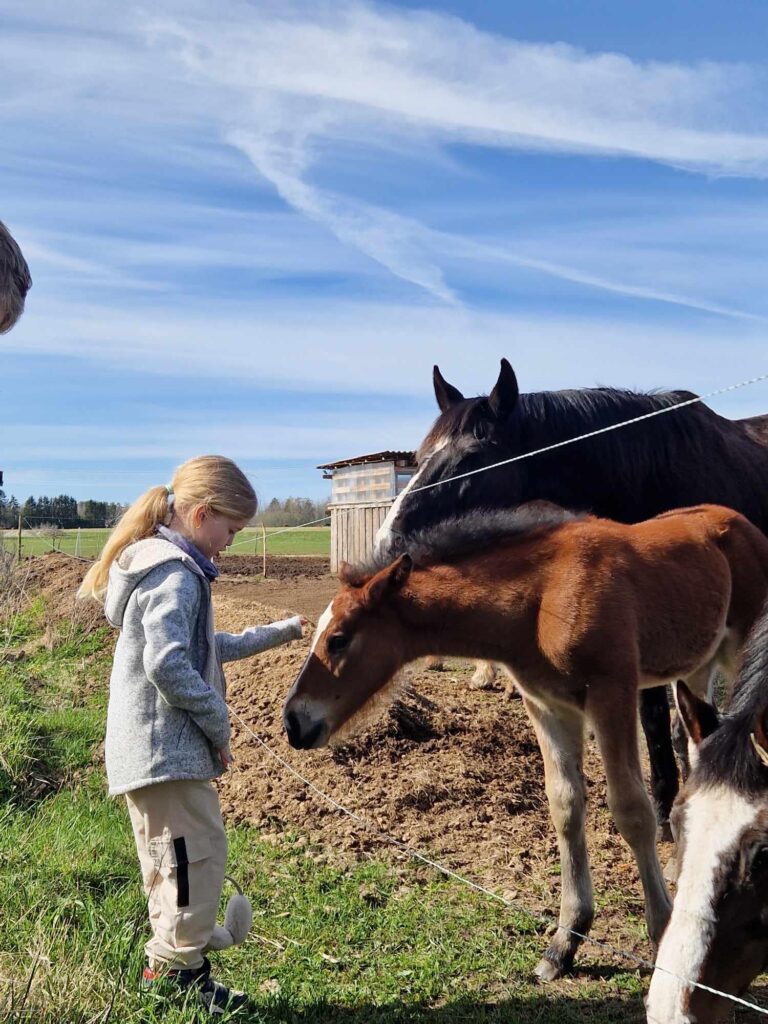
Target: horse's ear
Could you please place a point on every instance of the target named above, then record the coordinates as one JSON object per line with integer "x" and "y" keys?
{"x": 445, "y": 393}
{"x": 388, "y": 580}
{"x": 505, "y": 394}
{"x": 699, "y": 718}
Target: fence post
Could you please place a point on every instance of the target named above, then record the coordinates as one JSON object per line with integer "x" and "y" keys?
{"x": 77, "y": 543}
{"x": 18, "y": 548}
{"x": 264, "y": 549}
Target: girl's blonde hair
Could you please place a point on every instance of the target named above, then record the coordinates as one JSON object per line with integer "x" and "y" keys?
{"x": 210, "y": 481}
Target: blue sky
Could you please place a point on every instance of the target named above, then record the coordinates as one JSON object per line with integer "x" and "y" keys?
{"x": 254, "y": 227}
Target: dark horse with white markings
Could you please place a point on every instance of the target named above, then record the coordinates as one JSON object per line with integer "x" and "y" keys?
{"x": 718, "y": 932}
{"x": 583, "y": 612}
{"x": 682, "y": 458}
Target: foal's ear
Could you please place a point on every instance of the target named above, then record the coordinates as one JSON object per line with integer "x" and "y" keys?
{"x": 505, "y": 394}
{"x": 389, "y": 580}
{"x": 699, "y": 718}
{"x": 445, "y": 393}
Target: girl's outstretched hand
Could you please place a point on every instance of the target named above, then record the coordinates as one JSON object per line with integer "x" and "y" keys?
{"x": 226, "y": 756}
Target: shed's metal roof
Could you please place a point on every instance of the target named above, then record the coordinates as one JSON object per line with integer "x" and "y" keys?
{"x": 358, "y": 460}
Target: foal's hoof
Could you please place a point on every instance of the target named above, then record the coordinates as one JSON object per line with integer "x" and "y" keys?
{"x": 548, "y": 971}
{"x": 664, "y": 832}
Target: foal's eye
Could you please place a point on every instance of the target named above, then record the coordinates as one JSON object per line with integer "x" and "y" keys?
{"x": 337, "y": 643}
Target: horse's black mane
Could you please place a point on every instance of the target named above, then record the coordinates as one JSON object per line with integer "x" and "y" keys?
{"x": 727, "y": 756}
{"x": 563, "y": 414}
{"x": 456, "y": 536}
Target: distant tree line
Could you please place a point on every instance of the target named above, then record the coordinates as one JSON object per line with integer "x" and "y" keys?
{"x": 62, "y": 511}
{"x": 66, "y": 513}
{"x": 292, "y": 512}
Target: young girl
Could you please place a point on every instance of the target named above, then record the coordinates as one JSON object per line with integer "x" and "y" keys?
{"x": 167, "y": 722}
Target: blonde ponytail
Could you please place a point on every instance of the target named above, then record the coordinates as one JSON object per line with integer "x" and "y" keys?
{"x": 211, "y": 481}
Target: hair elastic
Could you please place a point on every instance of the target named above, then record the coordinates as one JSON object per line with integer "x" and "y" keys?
{"x": 170, "y": 501}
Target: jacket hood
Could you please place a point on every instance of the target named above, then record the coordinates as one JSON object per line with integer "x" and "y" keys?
{"x": 135, "y": 562}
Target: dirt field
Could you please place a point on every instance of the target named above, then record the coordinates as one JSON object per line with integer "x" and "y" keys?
{"x": 453, "y": 772}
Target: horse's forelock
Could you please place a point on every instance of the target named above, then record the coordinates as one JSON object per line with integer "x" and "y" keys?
{"x": 458, "y": 421}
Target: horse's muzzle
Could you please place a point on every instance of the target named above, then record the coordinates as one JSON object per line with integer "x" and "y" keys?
{"x": 304, "y": 733}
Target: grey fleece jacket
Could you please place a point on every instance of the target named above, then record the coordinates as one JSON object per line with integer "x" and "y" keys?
{"x": 167, "y": 713}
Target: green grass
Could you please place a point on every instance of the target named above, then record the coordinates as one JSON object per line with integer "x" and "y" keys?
{"x": 311, "y": 540}
{"x": 367, "y": 943}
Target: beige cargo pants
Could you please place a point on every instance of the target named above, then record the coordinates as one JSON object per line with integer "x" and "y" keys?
{"x": 182, "y": 849}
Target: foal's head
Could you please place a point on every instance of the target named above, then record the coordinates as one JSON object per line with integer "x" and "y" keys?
{"x": 718, "y": 932}
{"x": 357, "y": 648}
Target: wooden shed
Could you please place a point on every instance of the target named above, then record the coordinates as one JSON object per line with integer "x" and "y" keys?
{"x": 362, "y": 492}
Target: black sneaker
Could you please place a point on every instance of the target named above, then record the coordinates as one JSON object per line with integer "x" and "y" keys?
{"x": 215, "y": 997}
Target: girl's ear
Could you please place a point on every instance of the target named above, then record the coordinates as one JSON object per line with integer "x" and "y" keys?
{"x": 198, "y": 515}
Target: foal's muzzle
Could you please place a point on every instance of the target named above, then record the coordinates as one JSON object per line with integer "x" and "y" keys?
{"x": 303, "y": 732}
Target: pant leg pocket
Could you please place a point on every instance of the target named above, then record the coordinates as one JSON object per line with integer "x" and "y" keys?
{"x": 187, "y": 852}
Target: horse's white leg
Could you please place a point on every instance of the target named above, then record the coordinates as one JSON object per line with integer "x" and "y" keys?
{"x": 484, "y": 676}
{"x": 615, "y": 725}
{"x": 561, "y": 738}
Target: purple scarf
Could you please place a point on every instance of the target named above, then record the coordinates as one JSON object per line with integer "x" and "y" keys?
{"x": 207, "y": 566}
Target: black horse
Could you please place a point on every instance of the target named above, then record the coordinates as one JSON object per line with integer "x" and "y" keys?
{"x": 686, "y": 457}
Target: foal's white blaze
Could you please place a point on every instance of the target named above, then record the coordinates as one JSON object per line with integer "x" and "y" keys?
{"x": 715, "y": 819}
{"x": 322, "y": 625}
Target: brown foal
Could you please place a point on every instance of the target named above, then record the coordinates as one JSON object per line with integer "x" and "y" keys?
{"x": 583, "y": 612}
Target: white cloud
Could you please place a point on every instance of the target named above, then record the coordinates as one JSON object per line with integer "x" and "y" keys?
{"x": 318, "y": 75}
{"x": 293, "y": 84}
{"x": 337, "y": 346}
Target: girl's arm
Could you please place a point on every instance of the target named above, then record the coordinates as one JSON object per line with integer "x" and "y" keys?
{"x": 233, "y": 646}
{"x": 169, "y": 599}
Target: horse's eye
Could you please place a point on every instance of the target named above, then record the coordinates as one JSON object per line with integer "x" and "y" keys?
{"x": 337, "y": 643}
{"x": 754, "y": 860}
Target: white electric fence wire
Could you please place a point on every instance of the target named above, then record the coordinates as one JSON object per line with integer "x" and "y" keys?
{"x": 512, "y": 904}
{"x": 276, "y": 533}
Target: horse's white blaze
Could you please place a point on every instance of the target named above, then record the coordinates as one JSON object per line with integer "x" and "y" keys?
{"x": 322, "y": 625}
{"x": 384, "y": 532}
{"x": 715, "y": 819}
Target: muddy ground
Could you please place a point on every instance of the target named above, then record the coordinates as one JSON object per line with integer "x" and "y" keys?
{"x": 451, "y": 771}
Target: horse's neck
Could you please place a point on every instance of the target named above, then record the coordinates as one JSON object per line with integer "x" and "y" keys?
{"x": 584, "y": 476}
{"x": 460, "y": 610}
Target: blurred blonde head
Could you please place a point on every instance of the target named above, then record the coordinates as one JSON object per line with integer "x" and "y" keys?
{"x": 15, "y": 280}
{"x": 209, "y": 482}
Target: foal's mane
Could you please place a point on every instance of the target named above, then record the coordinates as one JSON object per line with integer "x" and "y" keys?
{"x": 457, "y": 536}
{"x": 728, "y": 755}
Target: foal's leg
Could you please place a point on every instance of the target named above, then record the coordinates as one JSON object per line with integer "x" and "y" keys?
{"x": 654, "y": 715}
{"x": 615, "y": 725}
{"x": 484, "y": 676}
{"x": 561, "y": 738}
